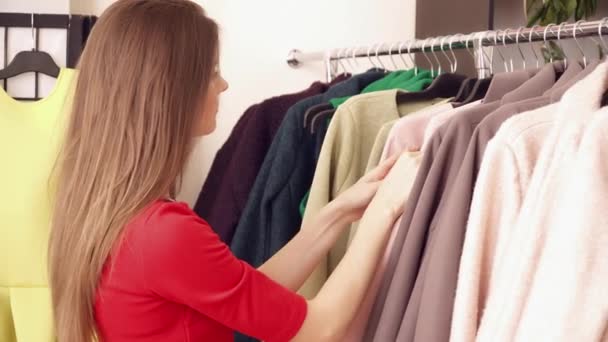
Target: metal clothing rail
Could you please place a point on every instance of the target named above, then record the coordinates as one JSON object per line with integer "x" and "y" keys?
{"x": 475, "y": 40}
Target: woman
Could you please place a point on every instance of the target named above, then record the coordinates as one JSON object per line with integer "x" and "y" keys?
{"x": 128, "y": 263}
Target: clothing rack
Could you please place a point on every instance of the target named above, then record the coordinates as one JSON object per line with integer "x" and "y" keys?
{"x": 475, "y": 41}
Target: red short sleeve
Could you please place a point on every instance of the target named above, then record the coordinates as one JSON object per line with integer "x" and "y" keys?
{"x": 184, "y": 261}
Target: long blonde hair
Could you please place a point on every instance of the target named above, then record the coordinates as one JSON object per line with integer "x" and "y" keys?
{"x": 146, "y": 67}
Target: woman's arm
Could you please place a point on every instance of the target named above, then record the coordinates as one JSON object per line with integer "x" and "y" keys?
{"x": 294, "y": 263}
{"x": 332, "y": 310}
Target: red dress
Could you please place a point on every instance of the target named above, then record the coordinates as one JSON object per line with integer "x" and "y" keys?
{"x": 172, "y": 279}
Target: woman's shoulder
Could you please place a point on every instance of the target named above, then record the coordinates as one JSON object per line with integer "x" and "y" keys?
{"x": 168, "y": 225}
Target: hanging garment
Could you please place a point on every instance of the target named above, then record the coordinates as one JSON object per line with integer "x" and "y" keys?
{"x": 421, "y": 233}
{"x": 431, "y": 182}
{"x": 375, "y": 154}
{"x": 438, "y": 285}
{"x": 343, "y": 159}
{"x": 236, "y": 164}
{"x": 497, "y": 198}
{"x": 515, "y": 269}
{"x": 408, "y": 80}
{"x": 30, "y": 134}
{"x": 391, "y": 141}
{"x": 408, "y": 133}
{"x": 405, "y": 137}
{"x": 271, "y": 215}
{"x": 567, "y": 300}
{"x": 407, "y": 165}
{"x": 413, "y": 126}
{"x": 404, "y": 80}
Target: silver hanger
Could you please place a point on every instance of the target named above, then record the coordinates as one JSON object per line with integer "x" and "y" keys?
{"x": 488, "y": 58}
{"x": 442, "y": 50}
{"x": 378, "y": 57}
{"x": 466, "y": 42}
{"x": 409, "y": 53}
{"x": 347, "y": 58}
{"x": 451, "y": 41}
{"x": 439, "y": 68}
{"x": 504, "y": 61}
{"x": 427, "y": 57}
{"x": 390, "y": 55}
{"x": 504, "y": 44}
{"x": 521, "y": 53}
{"x": 33, "y": 34}
{"x": 369, "y": 56}
{"x": 340, "y": 58}
{"x": 545, "y": 40}
{"x": 400, "y": 54}
{"x": 559, "y": 40}
{"x": 354, "y": 57}
{"x": 532, "y": 30}
{"x": 442, "y": 43}
{"x": 580, "y": 48}
{"x": 599, "y": 32}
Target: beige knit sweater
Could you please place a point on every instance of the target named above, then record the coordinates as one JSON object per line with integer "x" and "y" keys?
{"x": 343, "y": 159}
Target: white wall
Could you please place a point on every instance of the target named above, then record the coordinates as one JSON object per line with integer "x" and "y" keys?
{"x": 256, "y": 37}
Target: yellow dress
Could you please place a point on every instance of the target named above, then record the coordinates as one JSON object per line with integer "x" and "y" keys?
{"x": 30, "y": 133}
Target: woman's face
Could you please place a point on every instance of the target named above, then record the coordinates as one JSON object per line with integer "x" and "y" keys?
{"x": 207, "y": 118}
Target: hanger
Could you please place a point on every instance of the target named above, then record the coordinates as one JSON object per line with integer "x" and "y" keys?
{"x": 468, "y": 84}
{"x": 559, "y": 40}
{"x": 434, "y": 54}
{"x": 599, "y": 32}
{"x": 400, "y": 54}
{"x": 532, "y": 45}
{"x": 454, "y": 65}
{"x": 481, "y": 86}
{"x": 580, "y": 48}
{"x": 348, "y": 60}
{"x": 521, "y": 52}
{"x": 31, "y": 61}
{"x": 370, "y": 58}
{"x": 443, "y": 86}
{"x": 497, "y": 49}
{"x": 378, "y": 57}
{"x": 432, "y": 66}
{"x": 390, "y": 55}
{"x": 340, "y": 61}
{"x": 410, "y": 56}
{"x": 504, "y": 44}
{"x": 353, "y": 57}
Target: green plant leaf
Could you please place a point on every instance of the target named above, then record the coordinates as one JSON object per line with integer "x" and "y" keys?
{"x": 549, "y": 17}
{"x": 536, "y": 16}
{"x": 591, "y": 7}
{"x": 532, "y": 5}
{"x": 571, "y": 6}
{"x": 580, "y": 10}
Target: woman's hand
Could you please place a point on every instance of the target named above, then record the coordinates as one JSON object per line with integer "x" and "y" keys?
{"x": 353, "y": 202}
{"x": 391, "y": 195}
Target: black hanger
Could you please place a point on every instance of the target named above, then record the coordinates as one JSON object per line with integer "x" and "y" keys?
{"x": 30, "y": 61}
{"x": 314, "y": 110}
{"x": 445, "y": 85}
{"x": 318, "y": 119}
{"x": 465, "y": 89}
{"x": 478, "y": 92}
